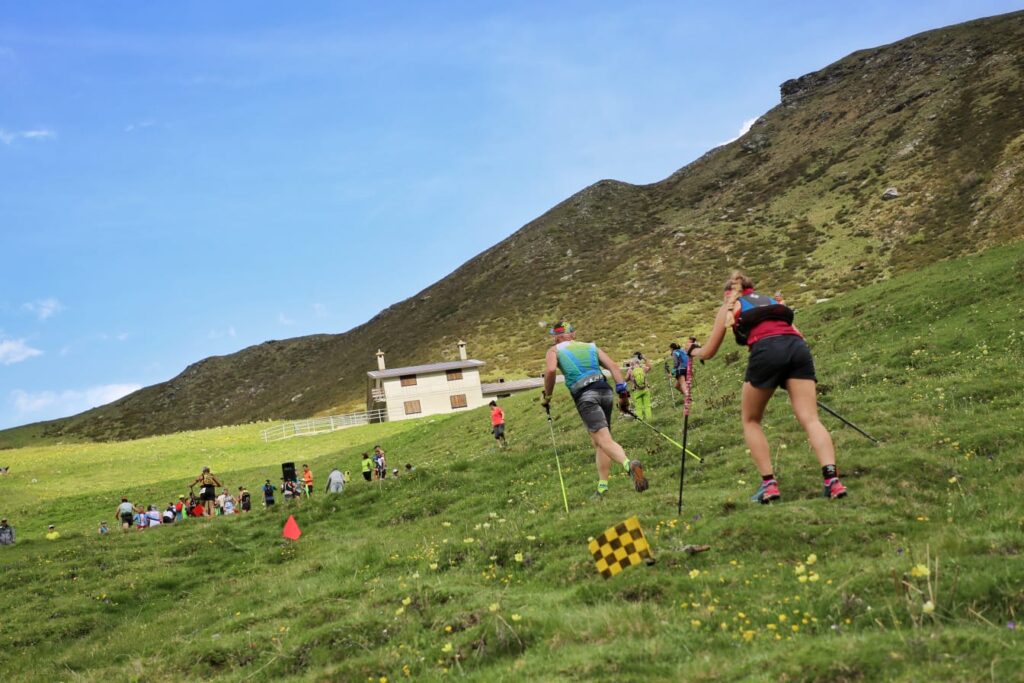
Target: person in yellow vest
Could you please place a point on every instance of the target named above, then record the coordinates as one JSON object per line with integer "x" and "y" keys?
{"x": 307, "y": 480}
{"x": 636, "y": 377}
{"x": 52, "y": 534}
{"x": 367, "y": 467}
{"x": 581, "y": 365}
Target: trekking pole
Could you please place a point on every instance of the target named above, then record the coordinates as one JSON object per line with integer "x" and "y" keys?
{"x": 671, "y": 386}
{"x": 663, "y": 435}
{"x": 687, "y": 400}
{"x": 845, "y": 421}
{"x": 558, "y": 462}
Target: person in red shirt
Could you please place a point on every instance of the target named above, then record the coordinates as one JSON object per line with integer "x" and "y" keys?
{"x": 779, "y": 357}
{"x": 498, "y": 424}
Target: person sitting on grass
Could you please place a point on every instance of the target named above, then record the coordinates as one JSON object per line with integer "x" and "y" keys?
{"x": 153, "y": 516}
{"x": 52, "y": 534}
{"x": 104, "y": 529}
{"x": 228, "y": 505}
{"x": 335, "y": 481}
{"x": 169, "y": 514}
{"x": 6, "y": 533}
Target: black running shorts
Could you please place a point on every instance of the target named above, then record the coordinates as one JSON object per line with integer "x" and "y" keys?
{"x": 776, "y": 359}
{"x": 498, "y": 430}
{"x": 595, "y": 406}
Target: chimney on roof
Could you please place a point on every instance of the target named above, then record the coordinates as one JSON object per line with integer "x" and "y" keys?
{"x": 380, "y": 359}
{"x": 462, "y": 350}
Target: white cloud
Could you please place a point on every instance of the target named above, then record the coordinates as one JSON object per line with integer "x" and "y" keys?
{"x": 319, "y": 310}
{"x": 284, "y": 320}
{"x": 42, "y": 405}
{"x": 220, "y": 334}
{"x": 15, "y": 351}
{"x": 44, "y": 308}
{"x": 9, "y": 136}
{"x": 132, "y": 127}
{"x": 744, "y": 129}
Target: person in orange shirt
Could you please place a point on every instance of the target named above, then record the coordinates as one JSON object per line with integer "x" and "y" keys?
{"x": 498, "y": 424}
{"x": 307, "y": 480}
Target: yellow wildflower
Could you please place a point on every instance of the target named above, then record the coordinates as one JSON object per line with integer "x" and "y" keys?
{"x": 518, "y": 557}
{"x": 494, "y": 607}
{"x": 447, "y": 647}
{"x": 694, "y": 573}
{"x": 406, "y": 601}
{"x": 516, "y": 617}
{"x": 812, "y": 558}
{"x": 928, "y": 607}
{"x": 920, "y": 571}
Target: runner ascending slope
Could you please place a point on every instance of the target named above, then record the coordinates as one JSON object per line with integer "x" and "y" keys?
{"x": 581, "y": 364}
{"x": 779, "y": 357}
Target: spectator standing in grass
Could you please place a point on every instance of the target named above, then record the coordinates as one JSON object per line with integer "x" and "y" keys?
{"x": 268, "y": 494}
{"x": 307, "y": 480}
{"x": 367, "y": 467}
{"x": 498, "y": 424}
{"x": 179, "y": 509}
{"x": 208, "y": 484}
{"x": 381, "y": 462}
{"x": 244, "y": 499}
{"x": 6, "y": 533}
{"x": 335, "y": 481}
{"x": 126, "y": 513}
{"x": 636, "y": 377}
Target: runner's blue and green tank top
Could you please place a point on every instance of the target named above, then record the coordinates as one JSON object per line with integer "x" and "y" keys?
{"x": 577, "y": 361}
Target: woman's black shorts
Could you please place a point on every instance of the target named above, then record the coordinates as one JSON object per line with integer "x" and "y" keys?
{"x": 367, "y": 475}
{"x": 774, "y": 360}
{"x": 208, "y": 493}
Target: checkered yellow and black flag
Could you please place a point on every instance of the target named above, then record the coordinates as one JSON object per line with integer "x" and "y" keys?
{"x": 619, "y": 547}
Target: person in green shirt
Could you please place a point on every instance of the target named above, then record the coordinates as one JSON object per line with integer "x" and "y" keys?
{"x": 367, "y": 467}
{"x": 636, "y": 376}
{"x": 581, "y": 365}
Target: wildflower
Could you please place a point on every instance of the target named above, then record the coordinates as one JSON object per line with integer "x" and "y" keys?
{"x": 952, "y": 480}
{"x": 928, "y": 607}
{"x": 748, "y": 635}
{"x": 1012, "y": 625}
{"x": 812, "y": 558}
{"x": 813, "y": 577}
{"x": 802, "y": 578}
{"x": 531, "y": 538}
{"x": 383, "y": 679}
{"x": 771, "y": 627}
{"x": 447, "y": 629}
{"x": 695, "y": 623}
{"x": 399, "y": 611}
{"x": 795, "y": 627}
{"x": 447, "y": 647}
{"x": 492, "y": 515}
{"x": 493, "y": 558}
{"x": 783, "y": 617}
{"x": 406, "y": 601}
{"x": 433, "y": 565}
{"x": 694, "y": 573}
{"x": 799, "y": 569}
{"x": 494, "y": 607}
{"x": 446, "y": 524}
{"x": 468, "y": 539}
{"x": 920, "y": 571}
{"x": 518, "y": 557}
{"x": 724, "y": 626}
{"x": 516, "y": 617}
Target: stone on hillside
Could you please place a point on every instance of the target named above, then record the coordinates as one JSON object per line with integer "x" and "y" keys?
{"x": 890, "y": 193}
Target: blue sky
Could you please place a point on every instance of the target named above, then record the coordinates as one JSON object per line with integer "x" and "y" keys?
{"x": 180, "y": 180}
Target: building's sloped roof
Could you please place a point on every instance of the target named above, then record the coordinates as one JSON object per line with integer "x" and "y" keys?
{"x": 515, "y": 385}
{"x": 424, "y": 369}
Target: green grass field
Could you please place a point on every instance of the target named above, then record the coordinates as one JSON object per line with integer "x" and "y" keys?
{"x": 470, "y": 568}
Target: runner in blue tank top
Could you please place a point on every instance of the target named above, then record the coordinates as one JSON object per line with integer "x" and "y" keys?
{"x": 581, "y": 364}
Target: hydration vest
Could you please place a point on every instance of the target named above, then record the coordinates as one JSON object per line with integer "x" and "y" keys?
{"x": 577, "y": 361}
{"x": 754, "y": 309}
{"x": 639, "y": 378}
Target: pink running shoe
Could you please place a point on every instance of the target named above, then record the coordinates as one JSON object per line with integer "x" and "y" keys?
{"x": 834, "y": 489}
{"x": 768, "y": 492}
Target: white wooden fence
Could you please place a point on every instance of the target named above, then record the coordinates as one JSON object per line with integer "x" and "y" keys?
{"x": 322, "y": 425}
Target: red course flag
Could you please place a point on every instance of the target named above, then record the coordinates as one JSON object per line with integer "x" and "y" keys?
{"x": 291, "y": 529}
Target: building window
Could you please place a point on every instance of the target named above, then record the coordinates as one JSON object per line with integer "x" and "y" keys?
{"x": 454, "y": 375}
{"x": 459, "y": 401}
{"x": 412, "y": 408}
{"x": 408, "y": 381}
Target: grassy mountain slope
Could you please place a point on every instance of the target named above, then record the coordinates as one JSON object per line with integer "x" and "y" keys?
{"x": 469, "y": 567}
{"x": 797, "y": 201}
